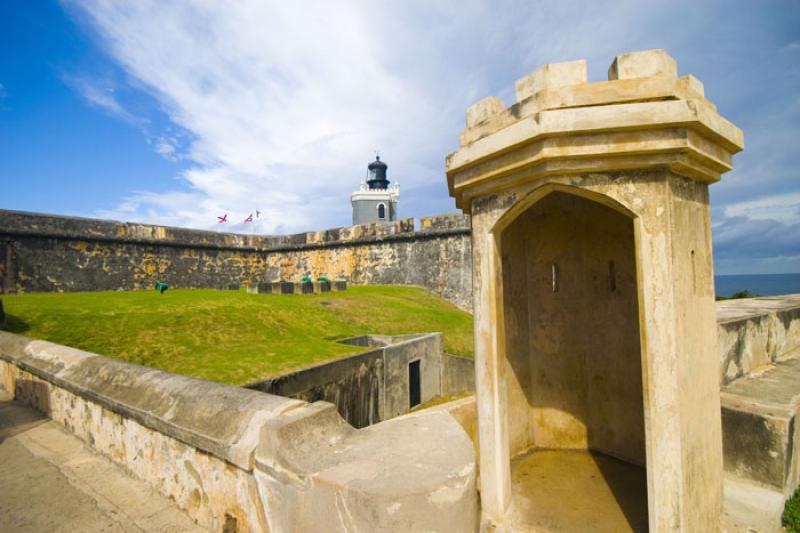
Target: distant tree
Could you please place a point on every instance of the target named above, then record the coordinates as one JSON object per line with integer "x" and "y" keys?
{"x": 743, "y": 294}
{"x": 738, "y": 295}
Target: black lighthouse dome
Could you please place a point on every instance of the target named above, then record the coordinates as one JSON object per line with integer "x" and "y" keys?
{"x": 377, "y": 174}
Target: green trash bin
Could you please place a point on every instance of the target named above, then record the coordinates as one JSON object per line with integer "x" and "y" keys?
{"x": 161, "y": 287}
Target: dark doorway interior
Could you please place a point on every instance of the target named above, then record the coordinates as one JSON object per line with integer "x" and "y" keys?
{"x": 414, "y": 395}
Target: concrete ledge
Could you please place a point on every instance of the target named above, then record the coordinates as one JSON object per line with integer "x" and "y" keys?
{"x": 750, "y": 507}
{"x": 355, "y": 489}
{"x": 756, "y": 332}
{"x": 759, "y": 419}
{"x": 234, "y": 458}
{"x": 209, "y": 416}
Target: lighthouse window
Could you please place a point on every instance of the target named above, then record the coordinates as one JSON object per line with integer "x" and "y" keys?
{"x": 381, "y": 211}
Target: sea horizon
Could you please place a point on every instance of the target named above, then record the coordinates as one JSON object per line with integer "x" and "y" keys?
{"x": 757, "y": 284}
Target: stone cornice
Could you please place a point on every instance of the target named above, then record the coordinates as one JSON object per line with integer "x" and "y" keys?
{"x": 643, "y": 117}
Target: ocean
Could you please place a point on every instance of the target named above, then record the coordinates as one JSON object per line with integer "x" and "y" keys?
{"x": 761, "y": 284}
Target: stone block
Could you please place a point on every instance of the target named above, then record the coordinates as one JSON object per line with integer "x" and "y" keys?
{"x": 551, "y": 76}
{"x": 304, "y": 287}
{"x": 643, "y": 65}
{"x": 758, "y": 426}
{"x": 694, "y": 85}
{"x": 322, "y": 286}
{"x": 263, "y": 287}
{"x": 287, "y": 287}
{"x": 483, "y": 109}
{"x": 444, "y": 222}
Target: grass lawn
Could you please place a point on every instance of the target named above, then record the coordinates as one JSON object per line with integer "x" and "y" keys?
{"x": 231, "y": 336}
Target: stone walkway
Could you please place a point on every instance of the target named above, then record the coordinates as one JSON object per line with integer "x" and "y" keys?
{"x": 50, "y": 481}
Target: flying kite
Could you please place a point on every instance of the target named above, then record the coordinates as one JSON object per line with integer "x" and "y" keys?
{"x": 249, "y": 219}
{"x": 223, "y": 219}
{"x": 258, "y": 213}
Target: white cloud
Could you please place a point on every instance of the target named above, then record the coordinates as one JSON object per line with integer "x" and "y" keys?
{"x": 783, "y": 208}
{"x": 100, "y": 93}
{"x": 283, "y": 103}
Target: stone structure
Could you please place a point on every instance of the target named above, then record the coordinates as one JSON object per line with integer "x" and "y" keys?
{"x": 375, "y": 200}
{"x": 397, "y": 374}
{"x": 593, "y": 290}
{"x": 238, "y": 460}
{"x": 296, "y": 287}
{"x": 200, "y": 458}
{"x": 56, "y": 253}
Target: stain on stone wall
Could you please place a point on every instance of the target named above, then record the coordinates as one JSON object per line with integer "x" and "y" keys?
{"x": 55, "y": 253}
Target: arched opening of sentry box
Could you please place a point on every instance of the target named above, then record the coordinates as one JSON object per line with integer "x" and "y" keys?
{"x": 576, "y": 430}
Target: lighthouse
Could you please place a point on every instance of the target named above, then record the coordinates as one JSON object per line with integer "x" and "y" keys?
{"x": 375, "y": 200}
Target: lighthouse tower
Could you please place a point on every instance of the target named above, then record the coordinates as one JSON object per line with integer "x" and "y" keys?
{"x": 375, "y": 200}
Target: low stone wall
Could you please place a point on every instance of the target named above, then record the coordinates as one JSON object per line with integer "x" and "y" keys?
{"x": 54, "y": 253}
{"x": 458, "y": 374}
{"x": 755, "y": 332}
{"x": 240, "y": 460}
{"x": 371, "y": 386}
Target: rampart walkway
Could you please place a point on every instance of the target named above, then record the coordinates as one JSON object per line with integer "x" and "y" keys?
{"x": 50, "y": 481}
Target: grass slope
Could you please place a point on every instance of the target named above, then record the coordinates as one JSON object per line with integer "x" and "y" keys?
{"x": 230, "y": 336}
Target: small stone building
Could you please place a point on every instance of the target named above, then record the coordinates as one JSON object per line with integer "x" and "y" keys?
{"x": 375, "y": 200}
{"x": 595, "y": 344}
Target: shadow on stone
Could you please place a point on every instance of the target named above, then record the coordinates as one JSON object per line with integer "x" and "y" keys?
{"x": 16, "y": 418}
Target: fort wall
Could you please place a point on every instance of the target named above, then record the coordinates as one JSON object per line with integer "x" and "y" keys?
{"x": 241, "y": 460}
{"x": 55, "y": 253}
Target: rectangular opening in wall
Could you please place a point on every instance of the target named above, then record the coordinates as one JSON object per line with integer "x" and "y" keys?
{"x": 414, "y": 395}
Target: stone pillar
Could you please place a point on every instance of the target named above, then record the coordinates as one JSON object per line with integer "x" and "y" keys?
{"x": 636, "y": 153}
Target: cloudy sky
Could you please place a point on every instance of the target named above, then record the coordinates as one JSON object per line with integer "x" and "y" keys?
{"x": 175, "y": 112}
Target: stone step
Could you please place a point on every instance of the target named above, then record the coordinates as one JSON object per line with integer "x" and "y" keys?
{"x": 761, "y": 440}
{"x": 751, "y": 508}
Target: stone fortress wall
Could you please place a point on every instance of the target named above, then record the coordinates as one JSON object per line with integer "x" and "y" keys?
{"x": 239, "y": 460}
{"x": 242, "y": 460}
{"x": 56, "y": 253}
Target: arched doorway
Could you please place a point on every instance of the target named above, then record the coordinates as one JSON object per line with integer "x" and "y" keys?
{"x": 574, "y": 380}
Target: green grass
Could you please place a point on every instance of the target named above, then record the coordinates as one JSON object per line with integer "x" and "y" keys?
{"x": 791, "y": 514}
{"x": 230, "y": 336}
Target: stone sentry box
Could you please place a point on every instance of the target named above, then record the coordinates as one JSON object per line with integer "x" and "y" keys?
{"x": 593, "y": 282}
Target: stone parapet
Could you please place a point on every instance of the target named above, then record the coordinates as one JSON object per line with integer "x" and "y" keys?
{"x": 24, "y": 224}
{"x": 445, "y": 223}
{"x": 242, "y": 460}
{"x": 53, "y": 253}
{"x": 756, "y": 332}
{"x": 373, "y": 386}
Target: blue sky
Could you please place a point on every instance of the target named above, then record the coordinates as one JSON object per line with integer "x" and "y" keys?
{"x": 175, "y": 112}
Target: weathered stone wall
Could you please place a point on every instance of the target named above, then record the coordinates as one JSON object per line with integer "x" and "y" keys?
{"x": 54, "y": 253}
{"x": 240, "y": 460}
{"x": 756, "y": 332}
{"x": 372, "y": 386}
{"x": 458, "y": 374}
